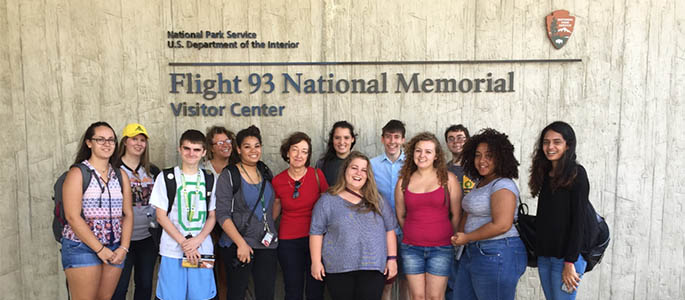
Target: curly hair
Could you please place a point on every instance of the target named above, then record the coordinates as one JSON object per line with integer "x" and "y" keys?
{"x": 215, "y": 130}
{"x": 409, "y": 167}
{"x": 371, "y": 199}
{"x": 502, "y": 150}
{"x": 292, "y": 139}
{"x": 566, "y": 170}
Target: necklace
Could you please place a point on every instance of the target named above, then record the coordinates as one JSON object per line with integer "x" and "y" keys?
{"x": 249, "y": 177}
{"x": 293, "y": 175}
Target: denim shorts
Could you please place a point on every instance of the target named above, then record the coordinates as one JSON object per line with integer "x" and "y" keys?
{"x": 435, "y": 260}
{"x": 78, "y": 255}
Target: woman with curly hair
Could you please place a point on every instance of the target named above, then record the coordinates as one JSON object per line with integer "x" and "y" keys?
{"x": 562, "y": 188}
{"x": 352, "y": 236}
{"x": 221, "y": 144}
{"x": 428, "y": 206}
{"x": 494, "y": 257}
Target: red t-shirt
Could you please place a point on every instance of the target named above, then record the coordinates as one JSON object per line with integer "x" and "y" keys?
{"x": 427, "y": 223}
{"x": 296, "y": 214}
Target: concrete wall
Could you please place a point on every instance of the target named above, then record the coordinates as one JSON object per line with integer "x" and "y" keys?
{"x": 66, "y": 64}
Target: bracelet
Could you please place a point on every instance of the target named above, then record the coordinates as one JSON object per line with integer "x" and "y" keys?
{"x": 125, "y": 249}
{"x": 98, "y": 252}
{"x": 391, "y": 257}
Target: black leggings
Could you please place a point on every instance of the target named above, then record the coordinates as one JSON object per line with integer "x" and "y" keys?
{"x": 262, "y": 268}
{"x": 358, "y": 285}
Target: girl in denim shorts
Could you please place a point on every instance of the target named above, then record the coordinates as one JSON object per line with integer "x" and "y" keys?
{"x": 428, "y": 206}
{"x": 97, "y": 235}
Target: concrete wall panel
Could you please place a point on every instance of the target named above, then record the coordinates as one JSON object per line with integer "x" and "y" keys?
{"x": 69, "y": 63}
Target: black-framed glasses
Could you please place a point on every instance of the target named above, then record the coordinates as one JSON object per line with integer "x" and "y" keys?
{"x": 102, "y": 141}
{"x": 296, "y": 193}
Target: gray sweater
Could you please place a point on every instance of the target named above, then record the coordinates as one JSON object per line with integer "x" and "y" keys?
{"x": 227, "y": 202}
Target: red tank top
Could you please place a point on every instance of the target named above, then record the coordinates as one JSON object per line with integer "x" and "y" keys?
{"x": 427, "y": 222}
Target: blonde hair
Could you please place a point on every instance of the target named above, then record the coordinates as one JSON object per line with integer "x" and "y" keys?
{"x": 371, "y": 199}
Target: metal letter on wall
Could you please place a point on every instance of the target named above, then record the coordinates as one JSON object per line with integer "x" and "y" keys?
{"x": 560, "y": 27}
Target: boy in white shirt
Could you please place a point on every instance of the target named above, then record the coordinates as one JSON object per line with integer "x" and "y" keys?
{"x": 187, "y": 225}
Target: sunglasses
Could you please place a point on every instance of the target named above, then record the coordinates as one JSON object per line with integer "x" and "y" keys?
{"x": 296, "y": 193}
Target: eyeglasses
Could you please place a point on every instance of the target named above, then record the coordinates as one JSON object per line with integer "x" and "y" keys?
{"x": 457, "y": 139}
{"x": 222, "y": 143}
{"x": 296, "y": 193}
{"x": 102, "y": 141}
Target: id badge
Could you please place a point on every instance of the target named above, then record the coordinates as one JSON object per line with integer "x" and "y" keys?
{"x": 268, "y": 237}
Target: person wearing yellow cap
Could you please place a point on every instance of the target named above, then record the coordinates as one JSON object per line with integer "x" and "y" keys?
{"x": 133, "y": 158}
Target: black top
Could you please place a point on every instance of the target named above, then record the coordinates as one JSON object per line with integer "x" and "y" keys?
{"x": 330, "y": 169}
{"x": 560, "y": 215}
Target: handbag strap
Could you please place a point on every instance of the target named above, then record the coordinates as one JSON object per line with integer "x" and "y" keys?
{"x": 261, "y": 193}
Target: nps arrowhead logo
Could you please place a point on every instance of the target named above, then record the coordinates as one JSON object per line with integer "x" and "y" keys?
{"x": 560, "y": 27}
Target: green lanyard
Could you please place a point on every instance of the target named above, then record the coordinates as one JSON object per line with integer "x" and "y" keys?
{"x": 184, "y": 195}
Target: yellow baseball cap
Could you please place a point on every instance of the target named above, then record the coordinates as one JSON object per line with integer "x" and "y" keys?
{"x": 134, "y": 129}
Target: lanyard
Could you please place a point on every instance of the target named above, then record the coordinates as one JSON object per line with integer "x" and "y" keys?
{"x": 184, "y": 195}
{"x": 261, "y": 199}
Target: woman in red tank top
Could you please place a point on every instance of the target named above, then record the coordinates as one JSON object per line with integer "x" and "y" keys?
{"x": 428, "y": 205}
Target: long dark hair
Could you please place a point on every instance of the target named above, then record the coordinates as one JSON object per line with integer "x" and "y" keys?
{"x": 502, "y": 149}
{"x": 84, "y": 152}
{"x": 566, "y": 169}
{"x": 330, "y": 149}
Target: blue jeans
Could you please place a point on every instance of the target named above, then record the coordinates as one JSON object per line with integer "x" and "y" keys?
{"x": 142, "y": 256}
{"x": 550, "y": 269}
{"x": 452, "y": 280}
{"x": 491, "y": 269}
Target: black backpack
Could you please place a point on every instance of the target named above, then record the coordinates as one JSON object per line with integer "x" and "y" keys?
{"x": 170, "y": 182}
{"x": 598, "y": 229}
{"x": 59, "y": 220}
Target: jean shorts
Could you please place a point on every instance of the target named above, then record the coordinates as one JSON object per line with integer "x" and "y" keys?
{"x": 78, "y": 255}
{"x": 435, "y": 260}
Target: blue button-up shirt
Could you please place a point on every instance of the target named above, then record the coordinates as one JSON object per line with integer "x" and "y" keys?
{"x": 386, "y": 174}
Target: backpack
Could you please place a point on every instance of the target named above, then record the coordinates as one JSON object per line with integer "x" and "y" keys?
{"x": 59, "y": 220}
{"x": 235, "y": 175}
{"x": 170, "y": 182}
{"x": 598, "y": 242}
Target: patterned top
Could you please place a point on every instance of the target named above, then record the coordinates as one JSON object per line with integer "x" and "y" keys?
{"x": 101, "y": 205}
{"x": 143, "y": 212}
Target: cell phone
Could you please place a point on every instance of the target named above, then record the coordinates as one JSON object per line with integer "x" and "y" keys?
{"x": 566, "y": 289}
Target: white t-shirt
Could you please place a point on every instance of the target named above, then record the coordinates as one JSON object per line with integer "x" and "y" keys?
{"x": 188, "y": 213}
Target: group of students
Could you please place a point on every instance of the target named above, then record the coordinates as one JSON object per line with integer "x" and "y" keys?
{"x": 351, "y": 224}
